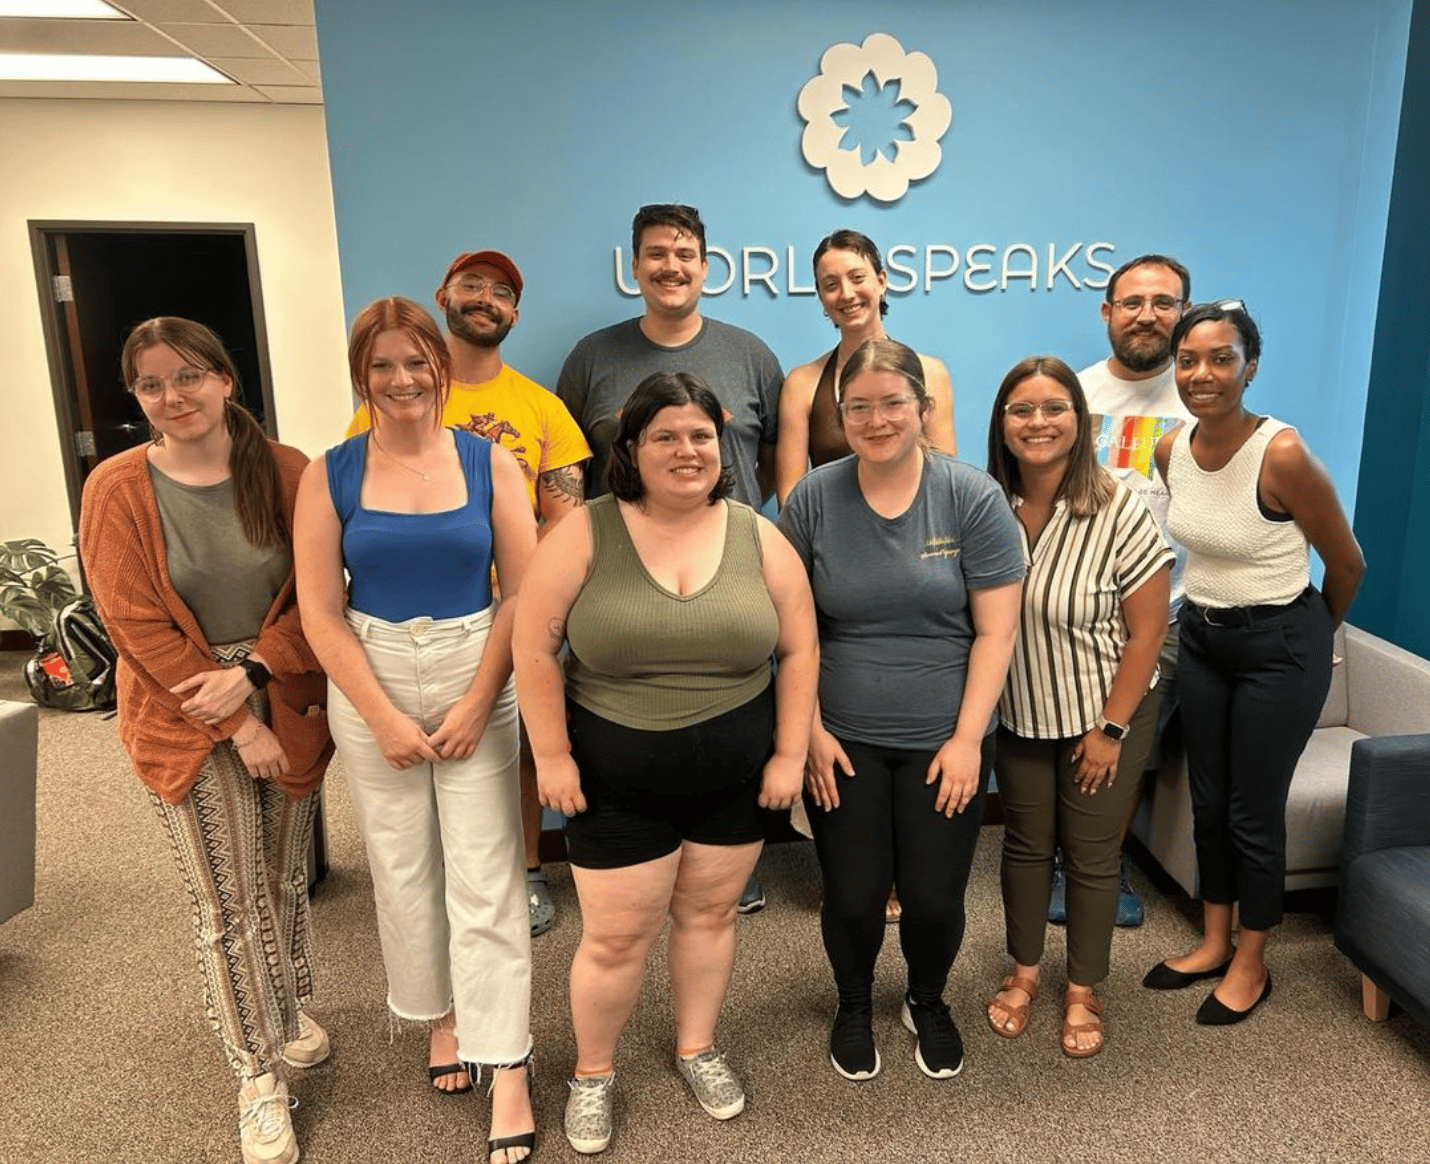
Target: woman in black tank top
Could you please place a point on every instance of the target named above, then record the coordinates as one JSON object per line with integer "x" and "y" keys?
{"x": 850, "y": 279}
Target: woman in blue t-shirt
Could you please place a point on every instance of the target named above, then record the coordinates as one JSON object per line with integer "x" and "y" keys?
{"x": 397, "y": 532}
{"x": 917, "y": 569}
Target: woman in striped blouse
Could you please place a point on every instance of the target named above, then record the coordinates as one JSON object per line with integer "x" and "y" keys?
{"x": 1078, "y": 713}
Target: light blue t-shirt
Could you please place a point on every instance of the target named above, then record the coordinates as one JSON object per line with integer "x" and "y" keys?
{"x": 405, "y": 565}
{"x": 891, "y": 595}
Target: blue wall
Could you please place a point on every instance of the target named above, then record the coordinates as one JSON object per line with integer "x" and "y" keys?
{"x": 1255, "y": 142}
{"x": 1393, "y": 505}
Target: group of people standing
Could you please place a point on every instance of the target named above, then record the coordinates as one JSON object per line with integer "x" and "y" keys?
{"x": 683, "y": 666}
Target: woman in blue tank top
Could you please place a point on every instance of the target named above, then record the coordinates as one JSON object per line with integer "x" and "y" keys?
{"x": 397, "y": 532}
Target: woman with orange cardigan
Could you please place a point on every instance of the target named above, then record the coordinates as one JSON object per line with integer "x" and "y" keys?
{"x": 187, "y": 546}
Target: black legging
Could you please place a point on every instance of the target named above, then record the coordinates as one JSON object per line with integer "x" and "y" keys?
{"x": 886, "y": 833}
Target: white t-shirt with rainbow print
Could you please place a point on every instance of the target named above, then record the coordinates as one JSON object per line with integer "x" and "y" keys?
{"x": 1129, "y": 417}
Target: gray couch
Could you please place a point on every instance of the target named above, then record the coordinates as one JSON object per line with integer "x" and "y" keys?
{"x": 1383, "y": 909}
{"x": 19, "y": 750}
{"x": 1378, "y": 690}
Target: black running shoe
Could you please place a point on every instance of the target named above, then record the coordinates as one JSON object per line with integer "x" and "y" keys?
{"x": 939, "y": 1050}
{"x": 851, "y": 1043}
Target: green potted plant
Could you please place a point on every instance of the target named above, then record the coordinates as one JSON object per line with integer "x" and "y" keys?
{"x": 33, "y": 585}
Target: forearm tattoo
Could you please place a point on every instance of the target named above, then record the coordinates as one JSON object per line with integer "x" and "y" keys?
{"x": 566, "y": 484}
{"x": 556, "y": 628}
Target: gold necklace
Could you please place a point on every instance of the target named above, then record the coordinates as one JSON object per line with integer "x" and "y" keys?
{"x": 399, "y": 464}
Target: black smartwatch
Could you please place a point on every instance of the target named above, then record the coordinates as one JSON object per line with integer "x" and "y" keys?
{"x": 1113, "y": 731}
{"x": 257, "y": 673}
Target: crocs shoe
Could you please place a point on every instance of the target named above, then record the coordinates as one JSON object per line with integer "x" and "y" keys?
{"x": 539, "y": 906}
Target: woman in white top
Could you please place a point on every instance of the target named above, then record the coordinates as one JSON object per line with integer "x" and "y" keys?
{"x": 1247, "y": 498}
{"x": 1079, "y": 710}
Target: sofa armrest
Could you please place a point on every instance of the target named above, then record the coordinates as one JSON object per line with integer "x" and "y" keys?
{"x": 1388, "y": 799}
{"x": 1387, "y": 687}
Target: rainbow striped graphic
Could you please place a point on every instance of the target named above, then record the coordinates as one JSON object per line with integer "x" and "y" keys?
{"x": 1128, "y": 442}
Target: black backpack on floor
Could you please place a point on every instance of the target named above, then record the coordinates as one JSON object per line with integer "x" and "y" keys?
{"x": 73, "y": 667}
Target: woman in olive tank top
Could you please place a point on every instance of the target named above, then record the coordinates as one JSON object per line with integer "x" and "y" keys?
{"x": 667, "y": 733}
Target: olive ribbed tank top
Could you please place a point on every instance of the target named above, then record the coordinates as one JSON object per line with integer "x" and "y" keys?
{"x": 649, "y": 659}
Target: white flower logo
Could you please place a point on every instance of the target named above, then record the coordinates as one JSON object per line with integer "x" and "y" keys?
{"x": 845, "y": 66}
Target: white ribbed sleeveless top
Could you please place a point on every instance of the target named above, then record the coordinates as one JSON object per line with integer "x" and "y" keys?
{"x": 1237, "y": 555}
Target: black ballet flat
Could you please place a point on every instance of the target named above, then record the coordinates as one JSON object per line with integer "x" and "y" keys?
{"x": 1215, "y": 1013}
{"x": 1163, "y": 977}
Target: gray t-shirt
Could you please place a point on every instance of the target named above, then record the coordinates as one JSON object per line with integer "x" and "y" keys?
{"x": 227, "y": 582}
{"x": 892, "y": 595}
{"x": 603, "y": 370}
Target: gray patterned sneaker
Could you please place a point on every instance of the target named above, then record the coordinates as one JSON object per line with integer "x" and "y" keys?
{"x": 588, "y": 1112}
{"x": 714, "y": 1084}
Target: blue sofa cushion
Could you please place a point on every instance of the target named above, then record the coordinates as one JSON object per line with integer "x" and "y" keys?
{"x": 1383, "y": 922}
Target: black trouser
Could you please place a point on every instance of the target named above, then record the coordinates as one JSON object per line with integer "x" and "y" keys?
{"x": 886, "y": 833}
{"x": 1252, "y": 683}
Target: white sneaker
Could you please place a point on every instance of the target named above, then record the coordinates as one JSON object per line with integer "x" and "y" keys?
{"x": 265, "y": 1130}
{"x": 311, "y": 1046}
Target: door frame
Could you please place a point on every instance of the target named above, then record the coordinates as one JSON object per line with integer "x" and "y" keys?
{"x": 58, "y": 337}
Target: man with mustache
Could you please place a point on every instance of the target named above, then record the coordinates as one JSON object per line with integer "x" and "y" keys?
{"x": 1132, "y": 396}
{"x": 479, "y": 297}
{"x": 669, "y": 262}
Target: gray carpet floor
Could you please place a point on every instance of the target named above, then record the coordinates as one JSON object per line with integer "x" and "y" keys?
{"x": 105, "y": 1055}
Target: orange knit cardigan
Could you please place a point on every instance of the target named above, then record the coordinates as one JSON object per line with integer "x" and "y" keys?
{"x": 121, "y": 542}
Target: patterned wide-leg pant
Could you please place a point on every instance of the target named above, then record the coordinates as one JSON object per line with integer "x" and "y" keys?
{"x": 242, "y": 847}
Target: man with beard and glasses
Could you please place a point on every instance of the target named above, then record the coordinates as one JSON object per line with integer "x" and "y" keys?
{"x": 669, "y": 261}
{"x": 1132, "y": 396}
{"x": 479, "y": 298}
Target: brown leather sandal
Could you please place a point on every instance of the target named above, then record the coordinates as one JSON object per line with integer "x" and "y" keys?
{"x": 1016, "y": 1014}
{"x": 1072, "y": 1030}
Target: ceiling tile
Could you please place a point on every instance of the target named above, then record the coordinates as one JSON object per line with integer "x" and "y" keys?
{"x": 162, "y": 11}
{"x": 288, "y": 40}
{"x": 116, "y": 37}
{"x": 269, "y": 11}
{"x": 292, "y": 94}
{"x": 255, "y": 72}
{"x": 215, "y": 40}
{"x": 310, "y": 69}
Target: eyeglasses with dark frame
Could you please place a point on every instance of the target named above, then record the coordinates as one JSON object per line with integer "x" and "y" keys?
{"x": 1160, "y": 304}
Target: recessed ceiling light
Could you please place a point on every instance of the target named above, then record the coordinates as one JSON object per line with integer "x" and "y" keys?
{"x": 69, "y": 9}
{"x": 64, "y": 67}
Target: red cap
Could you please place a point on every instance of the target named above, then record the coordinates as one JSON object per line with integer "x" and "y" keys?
{"x": 471, "y": 259}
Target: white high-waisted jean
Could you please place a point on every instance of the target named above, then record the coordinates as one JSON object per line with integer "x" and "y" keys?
{"x": 444, "y": 841}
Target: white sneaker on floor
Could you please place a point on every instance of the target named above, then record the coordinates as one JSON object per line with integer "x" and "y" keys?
{"x": 311, "y": 1046}
{"x": 265, "y": 1129}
